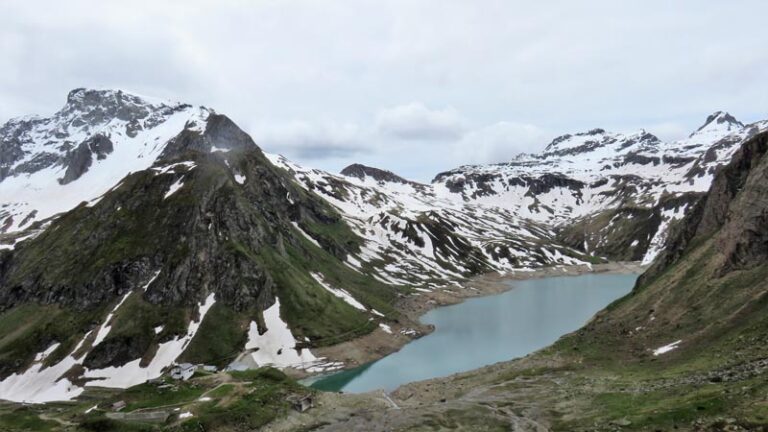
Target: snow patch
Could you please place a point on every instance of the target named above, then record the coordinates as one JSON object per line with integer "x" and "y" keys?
{"x": 305, "y": 234}
{"x": 106, "y": 326}
{"x": 174, "y": 187}
{"x": 338, "y": 292}
{"x": 666, "y": 348}
{"x": 277, "y": 346}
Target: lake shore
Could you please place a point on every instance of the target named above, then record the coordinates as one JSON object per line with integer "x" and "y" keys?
{"x": 381, "y": 343}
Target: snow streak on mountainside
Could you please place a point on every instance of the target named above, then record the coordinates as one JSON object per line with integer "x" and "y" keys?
{"x": 50, "y": 165}
{"x": 415, "y": 237}
{"x": 513, "y": 215}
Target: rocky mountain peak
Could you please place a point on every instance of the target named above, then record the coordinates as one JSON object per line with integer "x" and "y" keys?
{"x": 719, "y": 120}
{"x": 85, "y": 97}
{"x": 362, "y": 171}
{"x": 93, "y": 107}
{"x": 564, "y": 141}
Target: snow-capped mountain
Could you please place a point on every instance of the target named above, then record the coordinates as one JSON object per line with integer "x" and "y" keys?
{"x": 580, "y": 177}
{"x": 176, "y": 240}
{"x": 50, "y": 165}
{"x": 136, "y": 232}
{"x": 586, "y": 196}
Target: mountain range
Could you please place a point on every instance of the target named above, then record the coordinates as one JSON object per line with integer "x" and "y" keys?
{"x": 684, "y": 350}
{"x": 135, "y": 233}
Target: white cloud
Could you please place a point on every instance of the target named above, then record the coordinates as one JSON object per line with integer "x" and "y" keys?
{"x": 414, "y": 121}
{"x": 562, "y": 65}
{"x": 304, "y": 140}
{"x": 500, "y": 142}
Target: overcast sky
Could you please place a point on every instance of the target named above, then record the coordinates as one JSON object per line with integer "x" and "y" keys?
{"x": 412, "y": 86}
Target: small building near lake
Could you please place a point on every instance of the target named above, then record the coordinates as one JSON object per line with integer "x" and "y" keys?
{"x": 183, "y": 371}
{"x": 301, "y": 403}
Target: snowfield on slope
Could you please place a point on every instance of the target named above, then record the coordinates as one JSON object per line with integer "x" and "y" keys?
{"x": 39, "y": 384}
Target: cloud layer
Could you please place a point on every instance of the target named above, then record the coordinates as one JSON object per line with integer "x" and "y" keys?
{"x": 414, "y": 121}
{"x": 334, "y": 82}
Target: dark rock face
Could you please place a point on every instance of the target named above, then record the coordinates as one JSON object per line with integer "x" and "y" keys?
{"x": 38, "y": 162}
{"x": 100, "y": 145}
{"x": 677, "y": 161}
{"x": 11, "y": 149}
{"x": 220, "y": 132}
{"x": 547, "y": 182}
{"x": 362, "y": 171}
{"x": 745, "y": 243}
{"x": 79, "y": 160}
{"x": 639, "y": 159}
{"x": 735, "y": 206}
{"x": 116, "y": 351}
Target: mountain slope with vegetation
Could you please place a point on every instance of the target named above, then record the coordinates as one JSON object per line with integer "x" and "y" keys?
{"x": 180, "y": 261}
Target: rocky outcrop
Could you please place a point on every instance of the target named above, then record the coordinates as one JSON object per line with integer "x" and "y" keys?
{"x": 735, "y": 205}
{"x": 361, "y": 171}
{"x": 80, "y": 159}
{"x": 220, "y": 133}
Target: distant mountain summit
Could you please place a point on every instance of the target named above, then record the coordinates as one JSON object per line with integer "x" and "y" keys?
{"x": 51, "y": 164}
{"x": 719, "y": 122}
{"x": 586, "y": 142}
{"x": 361, "y": 172}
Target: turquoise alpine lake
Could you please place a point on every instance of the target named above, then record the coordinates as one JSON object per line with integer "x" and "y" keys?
{"x": 487, "y": 330}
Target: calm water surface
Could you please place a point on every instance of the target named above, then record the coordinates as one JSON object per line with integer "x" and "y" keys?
{"x": 487, "y": 330}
